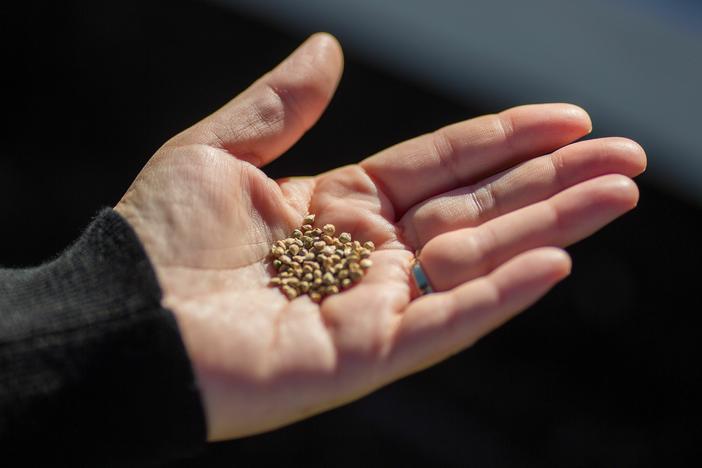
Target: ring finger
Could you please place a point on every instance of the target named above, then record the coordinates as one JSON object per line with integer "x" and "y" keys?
{"x": 458, "y": 256}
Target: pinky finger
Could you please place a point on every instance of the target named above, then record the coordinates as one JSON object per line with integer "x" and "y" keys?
{"x": 439, "y": 325}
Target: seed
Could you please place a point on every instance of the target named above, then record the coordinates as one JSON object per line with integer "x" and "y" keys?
{"x": 331, "y": 290}
{"x": 275, "y": 281}
{"x": 366, "y": 263}
{"x": 328, "y": 278}
{"x": 346, "y": 283}
{"x": 297, "y": 233}
{"x": 306, "y": 227}
{"x": 329, "y": 229}
{"x": 304, "y": 286}
{"x": 369, "y": 245}
{"x": 315, "y": 296}
{"x": 317, "y": 274}
{"x": 345, "y": 237}
{"x": 308, "y": 219}
{"x": 343, "y": 274}
{"x": 328, "y": 250}
{"x": 290, "y": 292}
{"x": 365, "y": 253}
{"x": 285, "y": 259}
{"x": 356, "y": 275}
{"x": 308, "y": 277}
{"x": 277, "y": 264}
{"x": 294, "y": 249}
{"x": 291, "y": 282}
{"x": 319, "y": 245}
{"x": 280, "y": 244}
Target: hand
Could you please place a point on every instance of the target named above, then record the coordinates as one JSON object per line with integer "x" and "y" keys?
{"x": 488, "y": 201}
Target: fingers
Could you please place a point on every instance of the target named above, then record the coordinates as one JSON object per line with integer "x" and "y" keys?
{"x": 527, "y": 183}
{"x": 439, "y": 325}
{"x": 453, "y": 258}
{"x": 273, "y": 113}
{"x": 465, "y": 152}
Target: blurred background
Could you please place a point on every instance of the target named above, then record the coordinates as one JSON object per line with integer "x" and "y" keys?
{"x": 603, "y": 372}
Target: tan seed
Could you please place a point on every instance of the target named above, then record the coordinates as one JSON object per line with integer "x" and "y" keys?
{"x": 369, "y": 245}
{"x": 345, "y": 237}
{"x": 329, "y": 229}
{"x": 308, "y": 219}
{"x": 366, "y": 263}
{"x": 290, "y": 292}
{"x": 356, "y": 275}
{"x": 297, "y": 233}
{"x": 315, "y": 296}
{"x": 328, "y": 278}
{"x": 319, "y": 245}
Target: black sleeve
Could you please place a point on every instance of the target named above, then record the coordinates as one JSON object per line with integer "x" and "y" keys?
{"x": 93, "y": 369}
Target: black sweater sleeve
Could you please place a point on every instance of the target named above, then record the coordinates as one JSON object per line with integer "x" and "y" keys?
{"x": 93, "y": 370}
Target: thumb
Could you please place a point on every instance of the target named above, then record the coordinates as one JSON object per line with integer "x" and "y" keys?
{"x": 274, "y": 112}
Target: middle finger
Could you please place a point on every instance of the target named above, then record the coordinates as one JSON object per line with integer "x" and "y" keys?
{"x": 522, "y": 185}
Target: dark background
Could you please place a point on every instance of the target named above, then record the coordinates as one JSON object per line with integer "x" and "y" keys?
{"x": 603, "y": 372}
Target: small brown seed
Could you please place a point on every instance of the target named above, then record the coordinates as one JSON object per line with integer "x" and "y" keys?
{"x": 280, "y": 244}
{"x": 316, "y": 297}
{"x": 317, "y": 274}
{"x": 285, "y": 259}
{"x": 317, "y": 281}
{"x": 369, "y": 245}
{"x": 297, "y": 233}
{"x": 290, "y": 292}
{"x": 346, "y": 283}
{"x": 308, "y": 277}
{"x": 366, "y": 263}
{"x": 332, "y": 290}
{"x": 356, "y": 275}
{"x": 345, "y": 237}
{"x": 328, "y": 278}
{"x": 327, "y": 239}
{"x": 275, "y": 281}
{"x": 343, "y": 274}
{"x": 277, "y": 264}
{"x": 364, "y": 253}
{"x": 291, "y": 282}
{"x": 306, "y": 227}
{"x": 308, "y": 219}
{"x": 294, "y": 249}
{"x": 304, "y": 286}
{"x": 319, "y": 245}
{"x": 329, "y": 229}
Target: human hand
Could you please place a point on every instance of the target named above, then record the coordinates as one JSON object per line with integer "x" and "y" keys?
{"x": 488, "y": 201}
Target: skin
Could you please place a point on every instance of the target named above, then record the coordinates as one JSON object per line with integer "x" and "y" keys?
{"x": 490, "y": 202}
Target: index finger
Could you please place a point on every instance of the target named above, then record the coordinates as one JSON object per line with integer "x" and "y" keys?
{"x": 465, "y": 152}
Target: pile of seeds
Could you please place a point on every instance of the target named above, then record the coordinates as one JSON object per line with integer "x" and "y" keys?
{"x": 312, "y": 261}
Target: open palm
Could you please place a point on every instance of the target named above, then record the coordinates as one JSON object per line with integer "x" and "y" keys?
{"x": 487, "y": 201}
